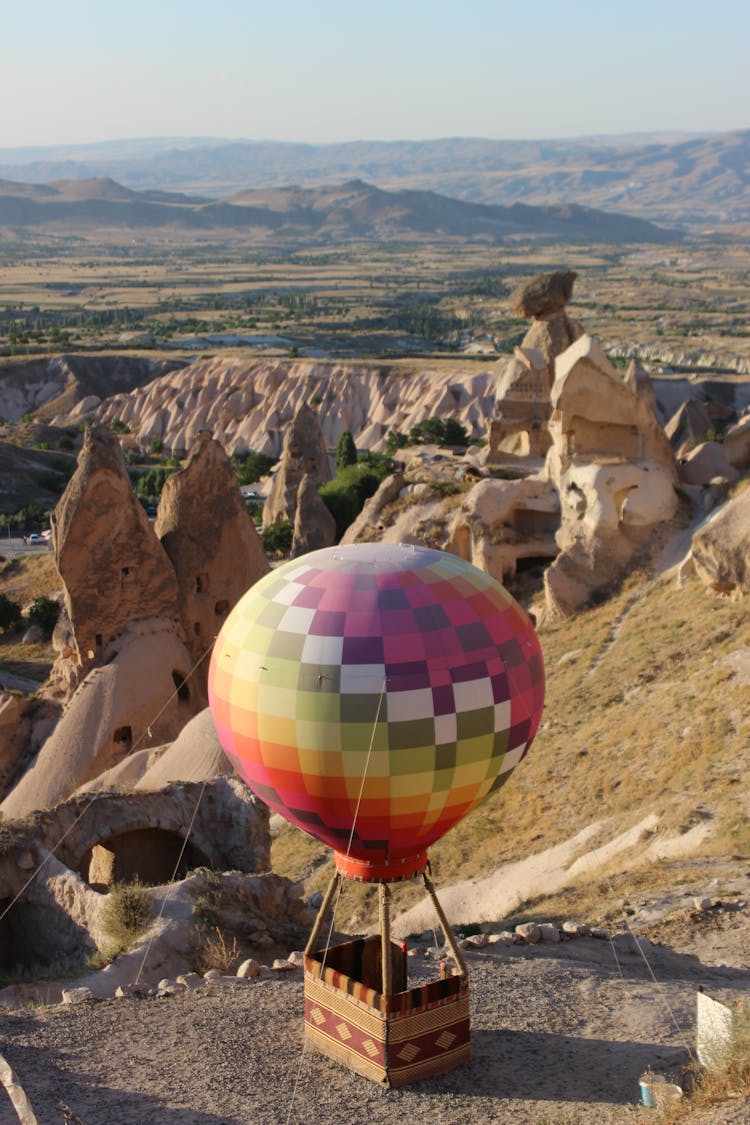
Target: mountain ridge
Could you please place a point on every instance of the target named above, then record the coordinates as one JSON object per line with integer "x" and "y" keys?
{"x": 696, "y": 178}
{"x": 352, "y": 210}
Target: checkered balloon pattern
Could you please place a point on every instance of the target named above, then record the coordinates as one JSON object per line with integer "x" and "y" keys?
{"x": 374, "y": 695}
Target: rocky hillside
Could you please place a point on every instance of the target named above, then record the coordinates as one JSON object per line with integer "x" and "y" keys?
{"x": 248, "y": 403}
{"x": 52, "y": 384}
{"x": 659, "y": 177}
{"x": 353, "y": 210}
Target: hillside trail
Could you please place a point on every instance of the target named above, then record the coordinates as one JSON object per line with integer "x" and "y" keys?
{"x": 674, "y": 554}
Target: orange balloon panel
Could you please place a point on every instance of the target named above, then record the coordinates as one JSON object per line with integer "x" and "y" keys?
{"x": 375, "y": 694}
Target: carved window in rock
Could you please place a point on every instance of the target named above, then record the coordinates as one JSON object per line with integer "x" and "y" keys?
{"x": 127, "y": 575}
{"x": 221, "y": 609}
{"x": 201, "y": 583}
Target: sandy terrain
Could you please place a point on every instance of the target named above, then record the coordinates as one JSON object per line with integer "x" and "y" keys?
{"x": 560, "y": 1036}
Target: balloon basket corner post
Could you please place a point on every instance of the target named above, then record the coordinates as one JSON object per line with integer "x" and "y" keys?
{"x": 361, "y": 1011}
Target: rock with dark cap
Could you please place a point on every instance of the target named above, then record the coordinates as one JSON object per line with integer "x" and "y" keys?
{"x": 544, "y": 295}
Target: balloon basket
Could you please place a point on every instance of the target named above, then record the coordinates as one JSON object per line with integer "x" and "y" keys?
{"x": 383, "y": 1030}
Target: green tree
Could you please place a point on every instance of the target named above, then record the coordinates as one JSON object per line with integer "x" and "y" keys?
{"x": 252, "y": 466}
{"x": 277, "y": 538}
{"x": 44, "y": 613}
{"x": 346, "y": 451}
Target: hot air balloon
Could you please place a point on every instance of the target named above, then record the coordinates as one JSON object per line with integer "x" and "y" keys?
{"x": 374, "y": 695}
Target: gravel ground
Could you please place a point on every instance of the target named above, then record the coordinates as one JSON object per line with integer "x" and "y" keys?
{"x": 560, "y": 1036}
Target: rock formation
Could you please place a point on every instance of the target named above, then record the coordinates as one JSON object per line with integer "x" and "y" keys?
{"x": 545, "y": 295}
{"x": 211, "y": 541}
{"x": 128, "y": 680}
{"x": 688, "y": 427}
{"x": 737, "y": 444}
{"x": 141, "y": 696}
{"x": 314, "y": 526}
{"x": 721, "y": 547}
{"x": 250, "y": 403}
{"x": 520, "y": 425}
{"x": 613, "y": 469}
{"x": 304, "y": 455}
{"x": 113, "y": 567}
{"x": 501, "y": 524}
{"x": 706, "y": 464}
{"x": 121, "y": 837}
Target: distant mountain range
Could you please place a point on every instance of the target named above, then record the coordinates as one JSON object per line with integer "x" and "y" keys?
{"x": 664, "y": 178}
{"x": 353, "y": 210}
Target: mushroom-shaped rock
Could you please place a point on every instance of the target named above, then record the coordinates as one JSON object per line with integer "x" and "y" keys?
{"x": 207, "y": 532}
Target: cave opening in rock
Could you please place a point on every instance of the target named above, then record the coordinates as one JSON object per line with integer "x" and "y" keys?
{"x": 179, "y": 679}
{"x": 532, "y": 562}
{"x": 29, "y": 944}
{"x": 146, "y": 855}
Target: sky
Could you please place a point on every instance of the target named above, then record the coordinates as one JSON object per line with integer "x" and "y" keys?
{"x": 78, "y": 71}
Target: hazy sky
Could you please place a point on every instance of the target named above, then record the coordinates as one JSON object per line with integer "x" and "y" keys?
{"x": 76, "y": 71}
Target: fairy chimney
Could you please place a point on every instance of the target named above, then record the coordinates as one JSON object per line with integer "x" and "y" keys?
{"x": 207, "y": 532}
{"x": 304, "y": 454}
{"x": 114, "y": 569}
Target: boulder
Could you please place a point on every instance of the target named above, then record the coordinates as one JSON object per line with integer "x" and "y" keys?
{"x": 545, "y": 294}
{"x": 314, "y": 526}
{"x": 522, "y": 408}
{"x": 206, "y": 530}
{"x": 304, "y": 454}
{"x": 721, "y": 547}
{"x": 114, "y": 568}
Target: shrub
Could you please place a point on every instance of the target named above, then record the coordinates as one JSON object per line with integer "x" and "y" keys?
{"x": 252, "y": 466}
{"x": 218, "y": 953}
{"x": 346, "y": 494}
{"x": 125, "y": 915}
{"x": 10, "y": 614}
{"x": 43, "y": 613}
{"x": 277, "y": 538}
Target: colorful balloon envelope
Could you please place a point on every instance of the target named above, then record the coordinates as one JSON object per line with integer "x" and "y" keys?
{"x": 374, "y": 695}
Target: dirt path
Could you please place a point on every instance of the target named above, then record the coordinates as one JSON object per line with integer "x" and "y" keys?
{"x": 560, "y": 1036}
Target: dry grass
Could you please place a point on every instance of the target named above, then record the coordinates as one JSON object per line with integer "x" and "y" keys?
{"x": 26, "y": 577}
{"x": 217, "y": 953}
{"x": 713, "y": 1088}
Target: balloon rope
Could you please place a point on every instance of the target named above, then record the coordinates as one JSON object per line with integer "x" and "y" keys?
{"x": 366, "y": 767}
{"x": 172, "y": 883}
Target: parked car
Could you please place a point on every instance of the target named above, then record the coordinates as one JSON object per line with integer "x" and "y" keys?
{"x": 34, "y": 538}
